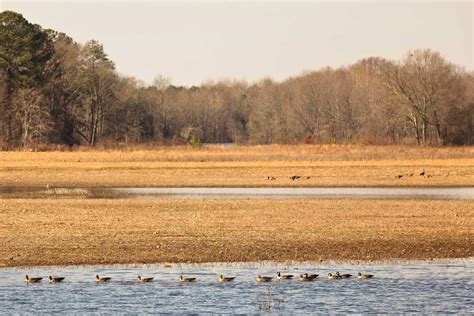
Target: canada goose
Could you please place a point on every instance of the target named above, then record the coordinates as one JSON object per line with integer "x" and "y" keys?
{"x": 141, "y": 279}
{"x": 334, "y": 276}
{"x": 32, "y": 280}
{"x": 344, "y": 276}
{"x": 422, "y": 173}
{"x": 55, "y": 279}
{"x": 308, "y": 277}
{"x": 271, "y": 178}
{"x": 399, "y": 176}
{"x": 307, "y": 178}
{"x": 284, "y": 276}
{"x": 364, "y": 276}
{"x": 225, "y": 279}
{"x": 295, "y": 177}
{"x": 183, "y": 279}
{"x": 263, "y": 278}
{"x": 102, "y": 279}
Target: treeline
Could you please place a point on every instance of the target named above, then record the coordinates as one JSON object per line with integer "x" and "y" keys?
{"x": 57, "y": 91}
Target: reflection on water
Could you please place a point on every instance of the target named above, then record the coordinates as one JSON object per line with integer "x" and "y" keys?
{"x": 397, "y": 288}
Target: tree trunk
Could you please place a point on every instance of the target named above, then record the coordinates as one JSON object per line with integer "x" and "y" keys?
{"x": 469, "y": 129}
{"x": 7, "y": 112}
{"x": 92, "y": 126}
{"x": 439, "y": 133}
{"x": 424, "y": 130}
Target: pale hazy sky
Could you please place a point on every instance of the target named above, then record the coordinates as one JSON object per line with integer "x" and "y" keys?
{"x": 192, "y": 41}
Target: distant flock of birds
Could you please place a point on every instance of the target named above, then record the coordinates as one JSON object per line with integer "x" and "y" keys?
{"x": 422, "y": 174}
{"x": 221, "y": 279}
{"x": 294, "y": 178}
{"x": 399, "y": 176}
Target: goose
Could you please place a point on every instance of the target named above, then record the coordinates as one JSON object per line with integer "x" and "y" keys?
{"x": 225, "y": 279}
{"x": 183, "y": 279}
{"x": 271, "y": 178}
{"x": 344, "y": 276}
{"x": 334, "y": 276}
{"x": 308, "y": 277}
{"x": 102, "y": 279}
{"x": 55, "y": 279}
{"x": 141, "y": 279}
{"x": 422, "y": 173}
{"x": 263, "y": 278}
{"x": 32, "y": 280}
{"x": 284, "y": 276}
{"x": 295, "y": 177}
{"x": 364, "y": 276}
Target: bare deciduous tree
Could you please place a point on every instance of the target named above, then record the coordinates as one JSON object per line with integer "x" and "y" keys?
{"x": 32, "y": 116}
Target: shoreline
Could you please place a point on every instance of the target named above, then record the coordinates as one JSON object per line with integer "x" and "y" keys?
{"x": 366, "y": 186}
{"x": 250, "y": 264}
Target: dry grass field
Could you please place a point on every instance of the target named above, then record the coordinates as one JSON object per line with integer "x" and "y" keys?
{"x": 242, "y": 166}
{"x": 65, "y": 232}
{"x": 75, "y": 230}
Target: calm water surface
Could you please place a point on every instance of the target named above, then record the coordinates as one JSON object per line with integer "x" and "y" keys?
{"x": 442, "y": 288}
{"x": 466, "y": 193}
{"x": 460, "y": 193}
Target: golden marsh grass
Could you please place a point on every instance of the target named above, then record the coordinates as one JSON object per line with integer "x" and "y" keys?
{"x": 242, "y": 166}
{"x": 68, "y": 231}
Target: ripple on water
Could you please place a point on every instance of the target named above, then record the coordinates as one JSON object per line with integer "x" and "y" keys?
{"x": 397, "y": 288}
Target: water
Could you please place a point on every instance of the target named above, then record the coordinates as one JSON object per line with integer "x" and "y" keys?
{"x": 304, "y": 193}
{"x": 420, "y": 287}
{"x": 460, "y": 193}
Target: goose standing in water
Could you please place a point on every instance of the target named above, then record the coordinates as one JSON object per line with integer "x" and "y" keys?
{"x": 334, "y": 276}
{"x": 225, "y": 279}
{"x": 263, "y": 278}
{"x": 142, "y": 279}
{"x": 29, "y": 280}
{"x": 55, "y": 279}
{"x": 364, "y": 276}
{"x": 183, "y": 279}
{"x": 308, "y": 277}
{"x": 284, "y": 276}
{"x": 99, "y": 279}
{"x": 343, "y": 276}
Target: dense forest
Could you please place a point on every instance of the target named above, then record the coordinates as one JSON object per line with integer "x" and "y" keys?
{"x": 57, "y": 91}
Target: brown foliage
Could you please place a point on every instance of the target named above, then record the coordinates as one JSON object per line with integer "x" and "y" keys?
{"x": 421, "y": 99}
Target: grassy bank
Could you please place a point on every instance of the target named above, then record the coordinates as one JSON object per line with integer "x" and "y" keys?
{"x": 244, "y": 166}
{"x": 64, "y": 232}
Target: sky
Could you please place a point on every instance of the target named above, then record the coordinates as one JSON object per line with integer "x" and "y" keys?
{"x": 191, "y": 42}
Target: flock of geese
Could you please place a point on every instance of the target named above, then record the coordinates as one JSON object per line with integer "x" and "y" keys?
{"x": 222, "y": 278}
{"x": 398, "y": 176}
{"x": 294, "y": 178}
{"x": 411, "y": 174}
